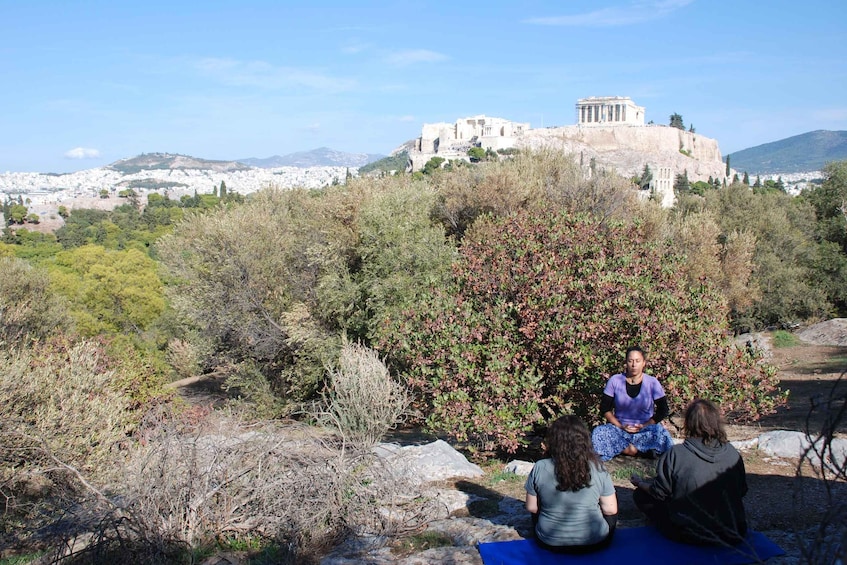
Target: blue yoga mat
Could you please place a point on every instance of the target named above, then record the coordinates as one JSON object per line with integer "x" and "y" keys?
{"x": 633, "y": 546}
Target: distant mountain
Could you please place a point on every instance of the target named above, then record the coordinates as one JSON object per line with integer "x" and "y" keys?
{"x": 801, "y": 153}
{"x": 320, "y": 157}
{"x": 153, "y": 161}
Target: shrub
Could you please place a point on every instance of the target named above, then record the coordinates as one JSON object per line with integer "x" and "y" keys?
{"x": 58, "y": 406}
{"x": 27, "y": 306}
{"x": 363, "y": 401}
{"x": 539, "y": 312}
{"x": 288, "y": 487}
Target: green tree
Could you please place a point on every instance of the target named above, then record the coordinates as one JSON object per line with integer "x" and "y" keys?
{"x": 646, "y": 177}
{"x": 63, "y": 212}
{"x": 109, "y": 291}
{"x": 476, "y": 154}
{"x": 17, "y": 214}
{"x": 676, "y": 121}
{"x": 681, "y": 184}
{"x": 222, "y": 191}
{"x": 727, "y": 166}
{"x": 745, "y": 179}
{"x": 433, "y": 165}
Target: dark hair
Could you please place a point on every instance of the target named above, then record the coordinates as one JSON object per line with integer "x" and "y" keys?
{"x": 569, "y": 445}
{"x": 635, "y": 348}
{"x": 703, "y": 420}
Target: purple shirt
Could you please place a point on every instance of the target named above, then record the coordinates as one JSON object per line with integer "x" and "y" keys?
{"x": 634, "y": 410}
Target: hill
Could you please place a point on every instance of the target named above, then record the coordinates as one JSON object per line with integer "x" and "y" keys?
{"x": 165, "y": 161}
{"x": 320, "y": 157}
{"x": 800, "y": 153}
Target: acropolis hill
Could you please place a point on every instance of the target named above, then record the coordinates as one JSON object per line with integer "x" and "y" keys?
{"x": 610, "y": 132}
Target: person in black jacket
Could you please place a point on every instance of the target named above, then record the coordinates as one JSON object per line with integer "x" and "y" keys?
{"x": 697, "y": 494}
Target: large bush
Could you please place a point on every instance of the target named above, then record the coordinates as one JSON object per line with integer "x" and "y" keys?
{"x": 538, "y": 315}
{"x": 27, "y": 307}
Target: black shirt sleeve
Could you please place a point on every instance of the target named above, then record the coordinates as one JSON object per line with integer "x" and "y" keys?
{"x": 608, "y": 403}
{"x": 662, "y": 409}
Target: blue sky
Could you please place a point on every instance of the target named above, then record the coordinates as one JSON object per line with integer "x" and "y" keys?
{"x": 84, "y": 83}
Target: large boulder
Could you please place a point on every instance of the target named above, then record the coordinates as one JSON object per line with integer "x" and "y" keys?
{"x": 420, "y": 464}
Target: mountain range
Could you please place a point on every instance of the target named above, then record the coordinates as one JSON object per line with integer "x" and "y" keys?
{"x": 320, "y": 157}
{"x": 800, "y": 153}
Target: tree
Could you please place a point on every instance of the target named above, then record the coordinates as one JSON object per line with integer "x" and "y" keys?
{"x": 17, "y": 214}
{"x": 646, "y": 177}
{"x": 727, "y": 166}
{"x": 676, "y": 121}
{"x": 222, "y": 192}
{"x": 691, "y": 129}
{"x": 681, "y": 184}
{"x": 758, "y": 182}
{"x": 745, "y": 179}
{"x": 63, "y": 212}
{"x": 433, "y": 165}
{"x": 104, "y": 193}
{"x": 476, "y": 154}
{"x": 109, "y": 291}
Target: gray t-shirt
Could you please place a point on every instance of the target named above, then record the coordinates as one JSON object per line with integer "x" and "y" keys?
{"x": 565, "y": 517}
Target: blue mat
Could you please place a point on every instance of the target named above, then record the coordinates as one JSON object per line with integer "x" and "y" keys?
{"x": 633, "y": 546}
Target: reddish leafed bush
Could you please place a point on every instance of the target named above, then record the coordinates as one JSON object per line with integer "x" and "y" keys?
{"x": 539, "y": 312}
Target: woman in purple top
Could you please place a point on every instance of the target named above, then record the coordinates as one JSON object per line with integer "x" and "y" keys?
{"x": 633, "y": 404}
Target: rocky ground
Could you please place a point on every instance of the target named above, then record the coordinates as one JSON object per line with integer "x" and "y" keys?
{"x": 489, "y": 507}
{"x": 787, "y": 509}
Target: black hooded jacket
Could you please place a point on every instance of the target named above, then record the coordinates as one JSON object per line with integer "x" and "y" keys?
{"x": 702, "y": 485}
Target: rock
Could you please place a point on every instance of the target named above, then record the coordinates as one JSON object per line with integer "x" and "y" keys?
{"x": 432, "y": 462}
{"x": 830, "y": 332}
{"x": 521, "y": 468}
{"x": 745, "y": 443}
{"x": 784, "y": 443}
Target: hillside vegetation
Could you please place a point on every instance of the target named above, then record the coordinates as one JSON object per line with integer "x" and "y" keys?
{"x": 491, "y": 297}
{"x": 797, "y": 154}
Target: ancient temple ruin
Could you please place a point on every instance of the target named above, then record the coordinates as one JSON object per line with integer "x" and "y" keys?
{"x": 475, "y": 131}
{"x": 608, "y": 111}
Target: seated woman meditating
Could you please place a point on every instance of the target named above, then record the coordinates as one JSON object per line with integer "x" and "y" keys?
{"x": 570, "y": 494}
{"x": 633, "y": 403}
{"x": 696, "y": 495}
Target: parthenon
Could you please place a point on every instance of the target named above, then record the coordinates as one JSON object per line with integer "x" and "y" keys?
{"x": 608, "y": 110}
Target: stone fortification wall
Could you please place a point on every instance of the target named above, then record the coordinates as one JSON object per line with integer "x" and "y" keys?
{"x": 627, "y": 148}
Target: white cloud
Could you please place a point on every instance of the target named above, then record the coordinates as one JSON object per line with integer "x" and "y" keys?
{"x": 636, "y": 12}
{"x": 264, "y": 75}
{"x": 82, "y": 153}
{"x": 407, "y": 118}
{"x": 413, "y": 56}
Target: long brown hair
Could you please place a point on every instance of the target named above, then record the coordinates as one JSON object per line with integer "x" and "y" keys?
{"x": 569, "y": 445}
{"x": 703, "y": 420}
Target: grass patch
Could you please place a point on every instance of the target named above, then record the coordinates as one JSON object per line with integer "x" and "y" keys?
{"x": 782, "y": 338}
{"x": 422, "y": 542}
{"x": 505, "y": 477}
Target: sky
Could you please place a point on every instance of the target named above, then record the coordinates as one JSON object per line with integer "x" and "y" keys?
{"x": 85, "y": 83}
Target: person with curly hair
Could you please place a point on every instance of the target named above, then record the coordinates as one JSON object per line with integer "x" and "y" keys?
{"x": 697, "y": 494}
{"x": 570, "y": 493}
{"x": 633, "y": 404}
